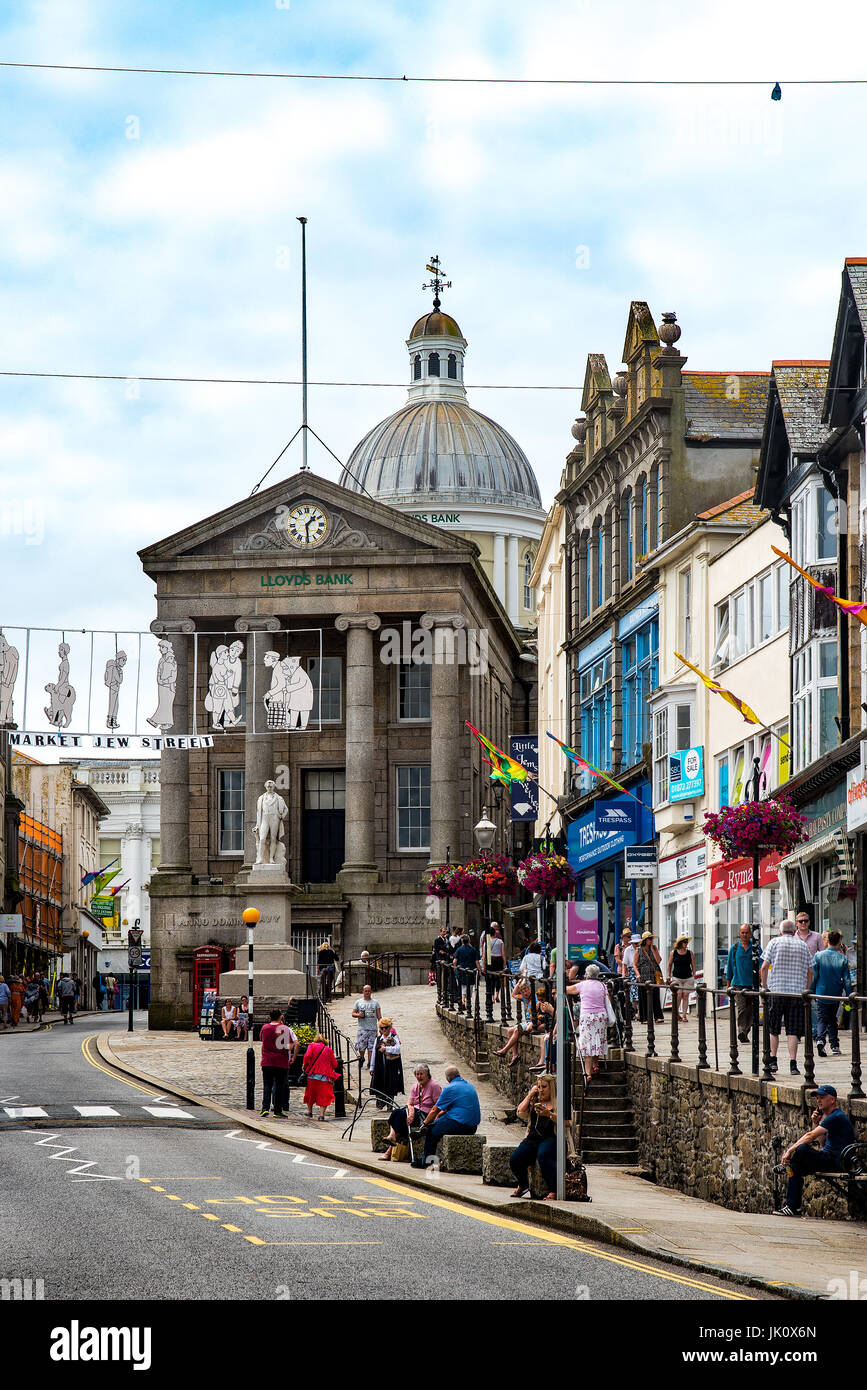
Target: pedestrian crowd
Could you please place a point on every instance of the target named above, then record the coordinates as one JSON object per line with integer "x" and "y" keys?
{"x": 29, "y": 994}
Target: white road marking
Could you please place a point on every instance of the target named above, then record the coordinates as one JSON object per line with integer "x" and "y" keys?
{"x": 82, "y": 1164}
{"x": 296, "y": 1158}
{"x": 26, "y": 1112}
{"x": 163, "y": 1111}
{"x": 96, "y": 1110}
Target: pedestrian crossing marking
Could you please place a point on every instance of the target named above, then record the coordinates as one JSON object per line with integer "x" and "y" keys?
{"x": 163, "y": 1111}
{"x": 26, "y": 1112}
{"x": 92, "y": 1110}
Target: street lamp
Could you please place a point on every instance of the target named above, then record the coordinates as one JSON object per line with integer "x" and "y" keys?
{"x": 484, "y": 831}
{"x": 250, "y": 915}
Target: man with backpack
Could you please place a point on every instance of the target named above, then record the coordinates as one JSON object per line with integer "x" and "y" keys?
{"x": 66, "y": 996}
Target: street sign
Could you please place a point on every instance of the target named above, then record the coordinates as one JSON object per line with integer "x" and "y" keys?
{"x": 103, "y": 907}
{"x": 640, "y": 861}
{"x": 134, "y": 957}
{"x": 11, "y": 921}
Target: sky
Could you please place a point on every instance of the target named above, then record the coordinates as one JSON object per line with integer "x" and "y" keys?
{"x": 149, "y": 228}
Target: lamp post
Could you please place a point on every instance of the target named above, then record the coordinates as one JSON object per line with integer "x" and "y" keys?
{"x": 756, "y": 934}
{"x": 484, "y": 831}
{"x": 250, "y": 915}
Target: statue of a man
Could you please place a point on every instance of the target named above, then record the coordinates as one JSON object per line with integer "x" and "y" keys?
{"x": 271, "y": 811}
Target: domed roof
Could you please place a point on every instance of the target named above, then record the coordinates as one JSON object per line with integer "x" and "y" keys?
{"x": 435, "y": 325}
{"x": 442, "y": 449}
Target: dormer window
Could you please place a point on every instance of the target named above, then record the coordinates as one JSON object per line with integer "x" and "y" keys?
{"x": 433, "y": 364}
{"x": 416, "y": 367}
{"x": 453, "y": 366}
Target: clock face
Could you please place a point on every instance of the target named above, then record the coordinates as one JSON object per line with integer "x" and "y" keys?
{"x": 307, "y": 524}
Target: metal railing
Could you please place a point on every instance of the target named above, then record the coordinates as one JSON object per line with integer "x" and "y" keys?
{"x": 381, "y": 971}
{"x": 738, "y": 1050}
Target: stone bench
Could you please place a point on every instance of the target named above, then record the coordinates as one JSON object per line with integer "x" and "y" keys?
{"x": 497, "y": 1173}
{"x": 378, "y": 1135}
{"x": 461, "y": 1153}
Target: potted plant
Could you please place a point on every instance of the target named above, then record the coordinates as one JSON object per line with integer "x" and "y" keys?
{"x": 549, "y": 874}
{"x": 756, "y": 828}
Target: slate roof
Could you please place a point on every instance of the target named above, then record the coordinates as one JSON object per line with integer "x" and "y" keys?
{"x": 856, "y": 269}
{"x": 714, "y": 412}
{"x": 801, "y": 387}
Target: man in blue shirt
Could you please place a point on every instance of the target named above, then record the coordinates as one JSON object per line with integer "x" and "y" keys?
{"x": 830, "y": 1124}
{"x": 739, "y": 973}
{"x": 831, "y": 975}
{"x": 457, "y": 1111}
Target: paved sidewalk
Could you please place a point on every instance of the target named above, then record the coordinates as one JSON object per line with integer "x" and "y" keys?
{"x": 52, "y": 1017}
{"x": 796, "y": 1259}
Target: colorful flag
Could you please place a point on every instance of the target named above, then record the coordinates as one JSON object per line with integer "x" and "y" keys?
{"x": 89, "y": 878}
{"x": 734, "y": 700}
{"x": 503, "y": 768}
{"x": 594, "y": 771}
{"x": 104, "y": 878}
{"x": 851, "y": 607}
{"x": 113, "y": 892}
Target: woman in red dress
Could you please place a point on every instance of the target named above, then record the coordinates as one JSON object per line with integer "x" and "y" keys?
{"x": 320, "y": 1069}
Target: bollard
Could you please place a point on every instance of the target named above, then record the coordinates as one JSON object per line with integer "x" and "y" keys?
{"x": 701, "y": 991}
{"x": 339, "y": 1092}
{"x": 734, "y": 1069}
{"x": 856, "y": 1092}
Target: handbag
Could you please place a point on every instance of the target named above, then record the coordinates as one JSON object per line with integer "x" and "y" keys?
{"x": 609, "y": 1009}
{"x": 399, "y": 1153}
{"x": 431, "y": 977}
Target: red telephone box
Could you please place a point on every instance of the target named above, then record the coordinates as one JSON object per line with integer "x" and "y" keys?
{"x": 207, "y": 964}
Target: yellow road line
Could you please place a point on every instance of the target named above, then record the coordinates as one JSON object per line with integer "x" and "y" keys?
{"x": 191, "y": 1206}
{"x": 227, "y": 1227}
{"x": 254, "y": 1240}
{"x": 569, "y": 1242}
{"x": 86, "y": 1052}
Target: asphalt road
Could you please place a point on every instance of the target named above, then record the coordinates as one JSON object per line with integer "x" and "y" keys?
{"x": 165, "y": 1200}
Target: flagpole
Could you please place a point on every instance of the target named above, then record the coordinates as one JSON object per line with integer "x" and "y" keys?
{"x": 303, "y": 221}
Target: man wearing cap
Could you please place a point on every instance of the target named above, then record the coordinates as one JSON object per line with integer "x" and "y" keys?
{"x": 787, "y": 969}
{"x": 829, "y": 1124}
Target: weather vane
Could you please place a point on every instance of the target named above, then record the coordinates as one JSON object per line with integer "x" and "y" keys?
{"x": 437, "y": 283}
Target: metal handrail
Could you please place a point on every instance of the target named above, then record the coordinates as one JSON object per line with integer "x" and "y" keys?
{"x": 855, "y": 1001}
{"x": 386, "y": 964}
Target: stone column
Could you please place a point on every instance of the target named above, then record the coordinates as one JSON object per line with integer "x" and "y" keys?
{"x": 512, "y": 580}
{"x": 175, "y": 765}
{"x": 447, "y": 734}
{"x": 360, "y": 746}
{"x": 258, "y": 747}
{"x": 500, "y": 568}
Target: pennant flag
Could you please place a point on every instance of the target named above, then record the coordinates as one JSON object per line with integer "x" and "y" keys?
{"x": 850, "y": 607}
{"x": 89, "y": 878}
{"x": 594, "y": 771}
{"x": 103, "y": 878}
{"x": 503, "y": 768}
{"x": 113, "y": 892}
{"x": 734, "y": 700}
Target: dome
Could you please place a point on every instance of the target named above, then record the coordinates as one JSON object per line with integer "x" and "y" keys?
{"x": 441, "y": 448}
{"x": 435, "y": 325}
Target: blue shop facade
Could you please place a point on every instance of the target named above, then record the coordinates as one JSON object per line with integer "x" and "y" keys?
{"x": 599, "y": 859}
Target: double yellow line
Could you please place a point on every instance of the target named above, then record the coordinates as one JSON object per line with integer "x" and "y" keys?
{"x": 88, "y": 1053}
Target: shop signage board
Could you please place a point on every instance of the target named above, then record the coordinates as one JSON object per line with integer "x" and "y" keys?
{"x": 582, "y": 931}
{"x": 731, "y": 879}
{"x": 640, "y": 861}
{"x": 11, "y": 922}
{"x": 618, "y": 815}
{"x": 686, "y": 775}
{"x": 589, "y": 846}
{"x": 102, "y": 906}
{"x": 856, "y": 796}
{"x": 524, "y": 748}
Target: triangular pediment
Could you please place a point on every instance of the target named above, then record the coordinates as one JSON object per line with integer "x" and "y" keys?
{"x": 597, "y": 381}
{"x": 261, "y": 526}
{"x": 640, "y": 330}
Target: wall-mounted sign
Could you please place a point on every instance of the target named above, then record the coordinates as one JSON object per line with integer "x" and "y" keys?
{"x": 589, "y": 846}
{"x": 11, "y": 921}
{"x": 729, "y": 880}
{"x": 615, "y": 816}
{"x": 640, "y": 861}
{"x": 686, "y": 775}
{"x": 102, "y": 906}
{"x": 301, "y": 579}
{"x": 856, "y": 796}
{"x": 524, "y": 748}
{"x": 439, "y": 518}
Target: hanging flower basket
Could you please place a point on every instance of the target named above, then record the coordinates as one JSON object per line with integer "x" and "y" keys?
{"x": 550, "y": 874}
{"x": 756, "y": 827}
{"x": 471, "y": 881}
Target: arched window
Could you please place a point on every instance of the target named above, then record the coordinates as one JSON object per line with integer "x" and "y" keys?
{"x": 645, "y": 516}
{"x": 599, "y": 561}
{"x": 433, "y": 364}
{"x": 659, "y": 535}
{"x": 416, "y": 367}
{"x": 453, "y": 366}
{"x": 529, "y": 596}
{"x": 628, "y": 537}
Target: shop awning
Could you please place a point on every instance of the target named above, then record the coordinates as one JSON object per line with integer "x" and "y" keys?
{"x": 834, "y": 843}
